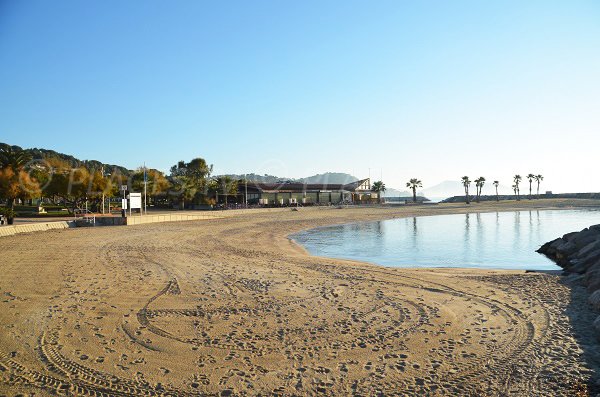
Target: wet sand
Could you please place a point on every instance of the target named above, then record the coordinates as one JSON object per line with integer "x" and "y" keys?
{"x": 233, "y": 307}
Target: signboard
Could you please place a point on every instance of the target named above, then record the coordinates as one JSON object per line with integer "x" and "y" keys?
{"x": 123, "y": 188}
{"x": 123, "y": 204}
{"x": 135, "y": 200}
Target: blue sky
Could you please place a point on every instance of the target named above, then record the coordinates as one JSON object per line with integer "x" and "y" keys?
{"x": 428, "y": 89}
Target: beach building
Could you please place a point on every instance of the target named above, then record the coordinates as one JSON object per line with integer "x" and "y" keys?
{"x": 292, "y": 193}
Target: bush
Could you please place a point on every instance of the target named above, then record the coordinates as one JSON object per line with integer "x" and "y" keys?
{"x": 7, "y": 212}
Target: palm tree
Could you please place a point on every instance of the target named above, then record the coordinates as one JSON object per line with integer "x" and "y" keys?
{"x": 479, "y": 182}
{"x": 538, "y": 179}
{"x": 517, "y": 179}
{"x": 530, "y": 178}
{"x": 13, "y": 158}
{"x": 466, "y": 183}
{"x": 413, "y": 184}
{"x": 227, "y": 185}
{"x": 496, "y": 184}
{"x": 379, "y": 188}
{"x": 515, "y": 189}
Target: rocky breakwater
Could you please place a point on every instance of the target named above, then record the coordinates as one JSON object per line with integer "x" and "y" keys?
{"x": 579, "y": 253}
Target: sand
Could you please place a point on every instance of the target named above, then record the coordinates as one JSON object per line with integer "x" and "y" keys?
{"x": 233, "y": 307}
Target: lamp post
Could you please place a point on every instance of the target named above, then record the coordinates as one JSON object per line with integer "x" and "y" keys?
{"x": 246, "y": 190}
{"x": 123, "y": 202}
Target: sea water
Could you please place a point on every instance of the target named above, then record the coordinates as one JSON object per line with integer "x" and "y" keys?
{"x": 498, "y": 240}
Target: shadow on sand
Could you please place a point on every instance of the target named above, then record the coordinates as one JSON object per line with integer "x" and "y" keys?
{"x": 581, "y": 318}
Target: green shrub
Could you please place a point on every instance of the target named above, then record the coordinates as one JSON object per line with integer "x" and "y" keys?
{"x": 7, "y": 212}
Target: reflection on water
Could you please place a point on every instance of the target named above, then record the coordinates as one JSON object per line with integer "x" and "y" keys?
{"x": 505, "y": 240}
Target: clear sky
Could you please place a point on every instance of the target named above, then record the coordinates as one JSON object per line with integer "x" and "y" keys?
{"x": 428, "y": 89}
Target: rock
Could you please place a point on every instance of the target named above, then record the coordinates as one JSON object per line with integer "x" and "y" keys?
{"x": 595, "y": 227}
{"x": 579, "y": 253}
{"x": 566, "y": 248}
{"x": 574, "y": 278}
{"x": 591, "y": 258}
{"x": 593, "y": 283}
{"x": 585, "y": 237}
{"x": 593, "y": 269}
{"x": 597, "y": 324}
{"x": 594, "y": 300}
{"x": 576, "y": 266}
{"x": 591, "y": 247}
{"x": 549, "y": 249}
{"x": 569, "y": 236}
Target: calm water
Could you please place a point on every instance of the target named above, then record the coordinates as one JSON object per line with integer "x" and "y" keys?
{"x": 505, "y": 240}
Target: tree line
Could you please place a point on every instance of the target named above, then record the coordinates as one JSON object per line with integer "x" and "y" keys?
{"x": 414, "y": 183}
{"x": 56, "y": 181}
{"x": 516, "y": 187}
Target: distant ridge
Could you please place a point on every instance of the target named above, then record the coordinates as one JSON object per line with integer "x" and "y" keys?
{"x": 332, "y": 178}
{"x": 252, "y": 177}
{"x": 40, "y": 154}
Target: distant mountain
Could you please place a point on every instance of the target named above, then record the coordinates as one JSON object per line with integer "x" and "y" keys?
{"x": 391, "y": 192}
{"x": 39, "y": 154}
{"x": 333, "y": 178}
{"x": 455, "y": 188}
{"x": 266, "y": 178}
{"x": 444, "y": 189}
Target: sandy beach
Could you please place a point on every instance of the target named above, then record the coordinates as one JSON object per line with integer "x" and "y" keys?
{"x": 233, "y": 307}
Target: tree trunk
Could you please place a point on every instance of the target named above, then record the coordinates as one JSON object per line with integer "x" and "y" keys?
{"x": 467, "y": 195}
{"x": 414, "y": 189}
{"x": 497, "y": 198}
{"x": 530, "y": 190}
{"x": 10, "y": 219}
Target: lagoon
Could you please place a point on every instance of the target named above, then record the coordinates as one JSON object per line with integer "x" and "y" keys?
{"x": 498, "y": 240}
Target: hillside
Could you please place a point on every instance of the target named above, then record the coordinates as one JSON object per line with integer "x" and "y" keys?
{"x": 40, "y": 154}
{"x": 330, "y": 178}
{"x": 252, "y": 177}
{"x": 326, "y": 178}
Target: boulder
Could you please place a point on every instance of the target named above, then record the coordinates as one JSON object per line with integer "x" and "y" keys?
{"x": 593, "y": 268}
{"x": 585, "y": 237}
{"x": 593, "y": 284}
{"x": 569, "y": 236}
{"x": 597, "y": 324}
{"x": 594, "y": 245}
{"x": 550, "y": 247}
{"x": 591, "y": 258}
{"x": 595, "y": 227}
{"x": 579, "y": 253}
{"x": 576, "y": 266}
{"x": 555, "y": 243}
{"x": 565, "y": 249}
{"x": 594, "y": 300}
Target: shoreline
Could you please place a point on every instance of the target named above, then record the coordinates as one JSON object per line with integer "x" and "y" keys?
{"x": 232, "y": 306}
{"x": 484, "y": 211}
